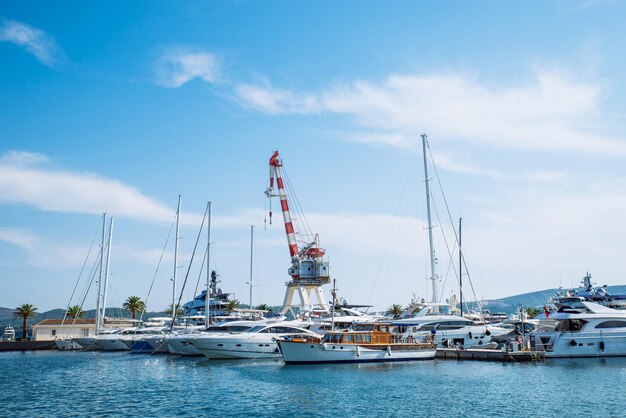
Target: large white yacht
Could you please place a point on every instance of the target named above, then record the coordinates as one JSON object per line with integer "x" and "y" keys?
{"x": 580, "y": 329}
{"x": 178, "y": 344}
{"x": 436, "y": 320}
{"x": 257, "y": 342}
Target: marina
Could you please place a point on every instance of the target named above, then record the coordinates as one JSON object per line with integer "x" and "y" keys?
{"x": 312, "y": 209}
{"x": 161, "y": 386}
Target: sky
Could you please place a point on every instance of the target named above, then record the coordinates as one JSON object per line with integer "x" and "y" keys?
{"x": 120, "y": 107}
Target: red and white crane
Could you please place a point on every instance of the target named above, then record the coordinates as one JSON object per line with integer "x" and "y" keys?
{"x": 308, "y": 270}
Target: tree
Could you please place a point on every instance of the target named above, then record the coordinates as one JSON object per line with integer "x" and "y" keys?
{"x": 24, "y": 312}
{"x": 133, "y": 305}
{"x": 75, "y": 312}
{"x": 232, "y": 305}
{"x": 395, "y": 310}
{"x": 179, "y": 310}
{"x": 532, "y": 311}
{"x": 263, "y": 307}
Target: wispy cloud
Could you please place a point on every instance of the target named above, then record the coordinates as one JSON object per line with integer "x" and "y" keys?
{"x": 178, "y": 66}
{"x": 19, "y": 237}
{"x": 35, "y": 41}
{"x": 551, "y": 112}
{"x": 56, "y": 190}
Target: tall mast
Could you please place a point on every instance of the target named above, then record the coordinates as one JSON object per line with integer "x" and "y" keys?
{"x": 175, "y": 263}
{"x": 106, "y": 272}
{"x": 207, "y": 299}
{"x": 433, "y": 277}
{"x": 461, "y": 265}
{"x": 98, "y": 313}
{"x": 251, "y": 257}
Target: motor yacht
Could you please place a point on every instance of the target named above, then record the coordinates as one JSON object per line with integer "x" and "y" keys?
{"x": 364, "y": 343}
{"x": 447, "y": 330}
{"x": 257, "y": 342}
{"x": 580, "y": 328}
{"x": 178, "y": 344}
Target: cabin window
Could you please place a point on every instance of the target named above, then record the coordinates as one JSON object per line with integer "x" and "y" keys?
{"x": 357, "y": 338}
{"x": 367, "y": 338}
{"x": 53, "y": 332}
{"x": 611, "y": 324}
{"x": 347, "y": 338}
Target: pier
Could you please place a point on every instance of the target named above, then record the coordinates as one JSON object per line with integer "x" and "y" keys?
{"x": 478, "y": 354}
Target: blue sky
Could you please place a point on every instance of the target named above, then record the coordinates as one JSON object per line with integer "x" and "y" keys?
{"x": 121, "y": 106}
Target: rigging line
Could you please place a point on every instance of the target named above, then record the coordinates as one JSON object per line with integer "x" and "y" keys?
{"x": 306, "y": 228}
{"x": 182, "y": 290}
{"x": 456, "y": 237}
{"x": 195, "y": 291}
{"x": 157, "y": 270}
{"x": 93, "y": 276}
{"x": 393, "y": 224}
{"x": 445, "y": 240}
{"x": 81, "y": 272}
{"x": 84, "y": 292}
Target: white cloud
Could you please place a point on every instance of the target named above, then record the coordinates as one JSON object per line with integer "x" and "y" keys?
{"x": 179, "y": 66}
{"x": 76, "y": 192}
{"x": 551, "y": 112}
{"x": 19, "y": 237}
{"x": 35, "y": 41}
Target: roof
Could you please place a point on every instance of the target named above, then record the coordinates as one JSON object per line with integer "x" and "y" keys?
{"x": 68, "y": 321}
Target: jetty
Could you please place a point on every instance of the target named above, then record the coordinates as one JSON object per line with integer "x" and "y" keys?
{"x": 26, "y": 345}
{"x": 481, "y": 354}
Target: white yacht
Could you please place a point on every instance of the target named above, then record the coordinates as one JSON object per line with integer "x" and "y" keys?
{"x": 580, "y": 329}
{"x": 257, "y": 342}
{"x": 178, "y": 344}
{"x": 89, "y": 343}
{"x": 436, "y": 320}
{"x": 122, "y": 340}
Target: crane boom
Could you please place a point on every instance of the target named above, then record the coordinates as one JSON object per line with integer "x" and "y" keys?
{"x": 310, "y": 252}
{"x": 275, "y": 174}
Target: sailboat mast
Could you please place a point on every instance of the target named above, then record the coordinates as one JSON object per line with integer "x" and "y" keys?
{"x": 98, "y": 313}
{"x": 433, "y": 277}
{"x": 106, "y": 272}
{"x": 251, "y": 257}
{"x": 207, "y": 299}
{"x": 461, "y": 265}
{"x": 175, "y": 262}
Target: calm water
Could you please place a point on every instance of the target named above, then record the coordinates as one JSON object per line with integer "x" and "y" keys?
{"x": 113, "y": 384}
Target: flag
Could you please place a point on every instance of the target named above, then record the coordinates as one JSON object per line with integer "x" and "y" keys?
{"x": 546, "y": 311}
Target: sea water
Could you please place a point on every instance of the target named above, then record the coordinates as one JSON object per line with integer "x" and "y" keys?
{"x": 37, "y": 384}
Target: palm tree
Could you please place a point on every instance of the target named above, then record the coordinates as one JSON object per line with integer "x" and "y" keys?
{"x": 263, "y": 307}
{"x": 395, "y": 309}
{"x": 232, "y": 305}
{"x": 179, "y": 310}
{"x": 75, "y": 312}
{"x": 133, "y": 305}
{"x": 24, "y": 312}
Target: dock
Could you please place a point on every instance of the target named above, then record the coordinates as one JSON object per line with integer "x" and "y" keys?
{"x": 26, "y": 345}
{"x": 478, "y": 354}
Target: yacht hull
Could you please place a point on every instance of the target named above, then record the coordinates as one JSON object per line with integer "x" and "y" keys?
{"x": 319, "y": 353}
{"x": 180, "y": 346}
{"x": 87, "y": 343}
{"x": 112, "y": 344}
{"x": 67, "y": 345}
{"x": 581, "y": 344}
{"x": 236, "y": 349}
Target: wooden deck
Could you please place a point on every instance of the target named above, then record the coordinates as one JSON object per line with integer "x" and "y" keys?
{"x": 478, "y": 354}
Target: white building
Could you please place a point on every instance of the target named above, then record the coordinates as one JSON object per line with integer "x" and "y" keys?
{"x": 51, "y": 329}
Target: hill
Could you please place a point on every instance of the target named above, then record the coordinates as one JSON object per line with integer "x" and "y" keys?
{"x": 510, "y": 304}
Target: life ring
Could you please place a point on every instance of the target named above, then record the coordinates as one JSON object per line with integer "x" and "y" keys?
{"x": 520, "y": 339}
